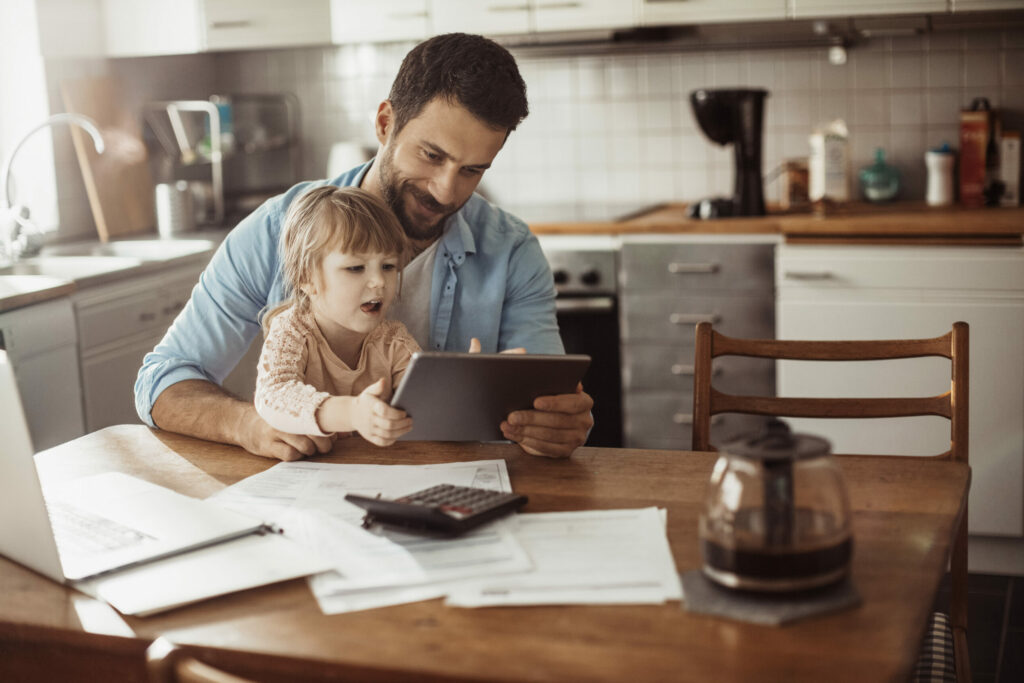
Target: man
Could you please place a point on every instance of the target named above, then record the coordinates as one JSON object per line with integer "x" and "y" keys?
{"x": 478, "y": 270}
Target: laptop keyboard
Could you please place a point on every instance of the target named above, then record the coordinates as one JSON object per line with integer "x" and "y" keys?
{"x": 79, "y": 532}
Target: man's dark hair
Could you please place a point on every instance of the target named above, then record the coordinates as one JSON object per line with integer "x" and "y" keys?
{"x": 464, "y": 69}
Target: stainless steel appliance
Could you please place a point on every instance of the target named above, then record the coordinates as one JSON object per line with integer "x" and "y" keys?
{"x": 585, "y": 270}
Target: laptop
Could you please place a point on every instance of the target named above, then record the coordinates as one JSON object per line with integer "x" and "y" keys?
{"x": 107, "y": 533}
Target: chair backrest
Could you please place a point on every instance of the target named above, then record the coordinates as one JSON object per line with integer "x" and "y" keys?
{"x": 953, "y": 404}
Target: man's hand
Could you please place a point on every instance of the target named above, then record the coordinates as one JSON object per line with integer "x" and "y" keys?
{"x": 375, "y": 420}
{"x": 555, "y": 427}
{"x": 260, "y": 438}
{"x": 474, "y": 347}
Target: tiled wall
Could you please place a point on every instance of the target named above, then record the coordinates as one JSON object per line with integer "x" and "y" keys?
{"x": 617, "y": 128}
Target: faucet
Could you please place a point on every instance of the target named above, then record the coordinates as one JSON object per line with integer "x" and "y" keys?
{"x": 18, "y": 234}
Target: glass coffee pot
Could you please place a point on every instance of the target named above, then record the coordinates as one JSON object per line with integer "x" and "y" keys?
{"x": 777, "y": 514}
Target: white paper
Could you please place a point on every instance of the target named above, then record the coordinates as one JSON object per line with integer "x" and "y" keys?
{"x": 375, "y": 569}
{"x": 248, "y": 562}
{"x": 589, "y": 557}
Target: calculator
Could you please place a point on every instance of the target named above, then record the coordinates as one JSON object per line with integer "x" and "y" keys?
{"x": 442, "y": 510}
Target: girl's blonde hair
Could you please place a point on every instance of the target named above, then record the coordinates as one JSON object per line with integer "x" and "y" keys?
{"x": 327, "y": 219}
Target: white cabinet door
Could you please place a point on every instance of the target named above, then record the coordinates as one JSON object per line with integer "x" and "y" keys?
{"x": 487, "y": 17}
{"x": 108, "y": 381}
{"x": 577, "y": 15}
{"x": 654, "y": 12}
{"x": 808, "y": 9}
{"x": 971, "y": 5}
{"x": 358, "y": 21}
{"x": 153, "y": 27}
{"x": 40, "y": 341}
{"x": 900, "y": 293}
{"x": 241, "y": 24}
{"x": 163, "y": 27}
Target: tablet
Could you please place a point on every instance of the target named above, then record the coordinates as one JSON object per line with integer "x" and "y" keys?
{"x": 466, "y": 396}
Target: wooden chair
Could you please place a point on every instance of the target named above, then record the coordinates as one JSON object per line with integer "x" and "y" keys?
{"x": 708, "y": 401}
{"x": 167, "y": 663}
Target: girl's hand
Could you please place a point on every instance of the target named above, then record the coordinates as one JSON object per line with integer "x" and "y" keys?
{"x": 375, "y": 420}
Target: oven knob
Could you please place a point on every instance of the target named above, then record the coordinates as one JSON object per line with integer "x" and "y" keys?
{"x": 561, "y": 277}
{"x": 590, "y": 277}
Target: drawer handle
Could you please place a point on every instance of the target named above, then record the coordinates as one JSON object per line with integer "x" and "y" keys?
{"x": 687, "y": 419}
{"x": 676, "y": 267}
{"x": 147, "y": 317}
{"x": 807, "y": 275}
{"x": 693, "y": 318}
{"x": 508, "y": 8}
{"x": 560, "y": 5}
{"x": 240, "y": 23}
{"x": 681, "y": 369}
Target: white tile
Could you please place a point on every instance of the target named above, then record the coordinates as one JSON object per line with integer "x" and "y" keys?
{"x": 836, "y": 76}
{"x": 989, "y": 93}
{"x": 763, "y": 71}
{"x": 908, "y": 146}
{"x": 660, "y": 76}
{"x": 833, "y": 105}
{"x": 943, "y": 69}
{"x": 594, "y": 117}
{"x": 907, "y": 107}
{"x": 623, "y": 185}
{"x": 936, "y": 136}
{"x": 945, "y": 40}
{"x": 795, "y": 145}
{"x": 693, "y": 184}
{"x": 1013, "y": 67}
{"x": 659, "y": 151}
{"x": 981, "y": 69}
{"x": 593, "y": 185}
{"x": 593, "y": 151}
{"x": 554, "y": 81}
{"x": 982, "y": 40}
{"x": 623, "y": 77}
{"x": 864, "y": 140}
{"x": 942, "y": 106}
{"x": 799, "y": 71}
{"x": 657, "y": 185}
{"x": 871, "y": 69}
{"x": 907, "y": 70}
{"x": 625, "y": 116}
{"x": 693, "y": 150}
{"x": 870, "y": 107}
{"x": 560, "y": 151}
{"x": 796, "y": 109}
{"x": 657, "y": 116}
{"x": 625, "y": 152}
{"x": 590, "y": 79}
{"x": 728, "y": 70}
{"x": 693, "y": 72}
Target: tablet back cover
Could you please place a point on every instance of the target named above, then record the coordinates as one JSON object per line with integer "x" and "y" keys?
{"x": 465, "y": 396}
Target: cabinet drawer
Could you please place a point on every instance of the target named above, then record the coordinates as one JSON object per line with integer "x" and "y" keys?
{"x": 661, "y": 420}
{"x": 239, "y": 24}
{"x": 32, "y": 330}
{"x": 953, "y": 270}
{"x": 119, "y": 318}
{"x": 674, "y": 317}
{"x": 687, "y": 266}
{"x": 655, "y": 367}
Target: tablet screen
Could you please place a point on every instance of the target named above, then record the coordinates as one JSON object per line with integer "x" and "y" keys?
{"x": 465, "y": 396}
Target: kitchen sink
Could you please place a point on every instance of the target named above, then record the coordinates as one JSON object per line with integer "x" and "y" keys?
{"x": 69, "y": 267}
{"x": 143, "y": 250}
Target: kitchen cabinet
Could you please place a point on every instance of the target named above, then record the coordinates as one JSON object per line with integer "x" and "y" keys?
{"x": 973, "y": 5}
{"x": 358, "y": 21}
{"x": 40, "y": 341}
{"x": 809, "y": 9}
{"x": 158, "y": 27}
{"x": 879, "y": 292}
{"x": 659, "y": 12}
{"x": 118, "y": 324}
{"x": 503, "y": 17}
{"x": 666, "y": 287}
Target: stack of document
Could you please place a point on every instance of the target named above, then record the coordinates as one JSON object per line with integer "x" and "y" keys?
{"x": 587, "y": 557}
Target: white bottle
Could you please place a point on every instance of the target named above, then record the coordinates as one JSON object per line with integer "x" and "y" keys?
{"x": 940, "y": 176}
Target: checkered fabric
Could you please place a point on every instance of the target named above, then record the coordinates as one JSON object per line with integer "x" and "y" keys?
{"x": 935, "y": 661}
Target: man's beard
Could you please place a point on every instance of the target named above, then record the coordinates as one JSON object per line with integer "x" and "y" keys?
{"x": 395, "y": 189}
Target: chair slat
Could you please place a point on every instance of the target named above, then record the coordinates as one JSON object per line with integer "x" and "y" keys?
{"x": 830, "y": 407}
{"x": 831, "y": 350}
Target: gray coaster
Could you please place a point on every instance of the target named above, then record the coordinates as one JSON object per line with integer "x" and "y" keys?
{"x": 702, "y": 596}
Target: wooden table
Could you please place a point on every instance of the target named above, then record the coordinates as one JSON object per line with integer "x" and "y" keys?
{"x": 904, "y": 512}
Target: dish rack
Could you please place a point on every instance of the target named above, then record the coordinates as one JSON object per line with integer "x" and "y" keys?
{"x": 235, "y": 150}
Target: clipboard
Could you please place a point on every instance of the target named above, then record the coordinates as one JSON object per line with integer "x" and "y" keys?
{"x": 466, "y": 396}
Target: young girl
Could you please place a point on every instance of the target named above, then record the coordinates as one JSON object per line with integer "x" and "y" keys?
{"x": 330, "y": 360}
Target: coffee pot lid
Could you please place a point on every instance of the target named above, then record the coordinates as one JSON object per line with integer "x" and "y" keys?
{"x": 775, "y": 442}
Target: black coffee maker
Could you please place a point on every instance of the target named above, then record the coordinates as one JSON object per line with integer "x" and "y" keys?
{"x": 737, "y": 117}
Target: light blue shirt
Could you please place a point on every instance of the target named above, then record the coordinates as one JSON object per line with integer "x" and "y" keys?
{"x": 490, "y": 281}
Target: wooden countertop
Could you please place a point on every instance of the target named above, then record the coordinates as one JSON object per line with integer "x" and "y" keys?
{"x": 913, "y": 222}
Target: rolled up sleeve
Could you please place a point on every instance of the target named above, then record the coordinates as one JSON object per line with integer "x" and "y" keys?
{"x": 220, "y": 320}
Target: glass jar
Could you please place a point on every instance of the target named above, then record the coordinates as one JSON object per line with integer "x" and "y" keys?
{"x": 777, "y": 514}
{"x": 880, "y": 181}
